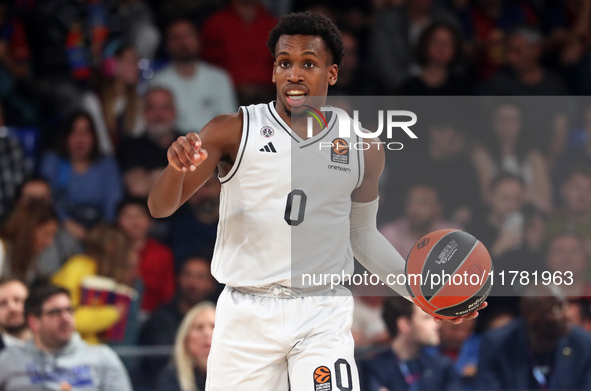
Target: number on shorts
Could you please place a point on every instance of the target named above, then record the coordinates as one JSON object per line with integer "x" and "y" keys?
{"x": 301, "y": 210}
{"x": 339, "y": 376}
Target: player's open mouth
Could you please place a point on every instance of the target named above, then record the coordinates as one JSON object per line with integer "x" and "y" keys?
{"x": 295, "y": 97}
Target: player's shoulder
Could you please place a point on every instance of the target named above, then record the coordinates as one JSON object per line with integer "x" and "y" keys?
{"x": 223, "y": 130}
{"x": 225, "y": 123}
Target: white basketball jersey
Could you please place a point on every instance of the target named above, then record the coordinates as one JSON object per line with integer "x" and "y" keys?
{"x": 285, "y": 204}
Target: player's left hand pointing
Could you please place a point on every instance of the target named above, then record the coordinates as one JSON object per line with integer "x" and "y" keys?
{"x": 460, "y": 319}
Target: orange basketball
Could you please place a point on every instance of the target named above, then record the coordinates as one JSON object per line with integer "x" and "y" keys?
{"x": 448, "y": 273}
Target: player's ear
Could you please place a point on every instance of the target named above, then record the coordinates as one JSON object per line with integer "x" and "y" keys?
{"x": 333, "y": 71}
{"x": 274, "y": 67}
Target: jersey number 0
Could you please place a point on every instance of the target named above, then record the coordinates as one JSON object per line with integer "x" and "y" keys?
{"x": 301, "y": 210}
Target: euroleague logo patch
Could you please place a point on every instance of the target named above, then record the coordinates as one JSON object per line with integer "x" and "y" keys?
{"x": 267, "y": 132}
{"x": 322, "y": 379}
{"x": 339, "y": 153}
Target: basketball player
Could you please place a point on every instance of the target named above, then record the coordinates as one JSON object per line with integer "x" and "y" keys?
{"x": 272, "y": 330}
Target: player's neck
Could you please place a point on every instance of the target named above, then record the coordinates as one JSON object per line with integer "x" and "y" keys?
{"x": 404, "y": 348}
{"x": 298, "y": 123}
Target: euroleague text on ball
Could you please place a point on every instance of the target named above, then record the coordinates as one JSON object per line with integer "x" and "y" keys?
{"x": 504, "y": 277}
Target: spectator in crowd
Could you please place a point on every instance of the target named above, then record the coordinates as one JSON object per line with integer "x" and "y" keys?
{"x": 67, "y": 40}
{"x": 445, "y": 167}
{"x": 394, "y": 38}
{"x": 107, "y": 255}
{"x": 353, "y": 76}
{"x": 579, "y": 312}
{"x": 201, "y": 91}
{"x": 141, "y": 31}
{"x": 406, "y": 365}
{"x": 195, "y": 286}
{"x": 14, "y": 66}
{"x": 36, "y": 189}
{"x": 460, "y": 343}
{"x": 578, "y": 157}
{"x": 527, "y": 255}
{"x": 13, "y": 326}
{"x": 506, "y": 150}
{"x": 566, "y": 255}
{"x": 156, "y": 265}
{"x": 193, "y": 228}
{"x": 29, "y": 230}
{"x": 15, "y": 52}
{"x": 368, "y": 327}
{"x": 539, "y": 351}
{"x": 423, "y": 214}
{"x": 116, "y": 107}
{"x": 224, "y": 46}
{"x": 86, "y": 185}
{"x": 143, "y": 158}
{"x": 13, "y": 167}
{"x": 576, "y": 214}
{"x": 74, "y": 364}
{"x": 501, "y": 229}
{"x": 439, "y": 51}
{"x": 567, "y": 29}
{"x": 191, "y": 348}
{"x": 524, "y": 74}
{"x": 500, "y": 315}
{"x": 486, "y": 24}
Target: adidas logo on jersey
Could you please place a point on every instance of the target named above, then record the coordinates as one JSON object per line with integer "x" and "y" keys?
{"x": 268, "y": 148}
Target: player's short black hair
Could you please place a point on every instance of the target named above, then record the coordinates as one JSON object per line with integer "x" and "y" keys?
{"x": 310, "y": 23}
{"x": 396, "y": 307}
{"x": 38, "y": 296}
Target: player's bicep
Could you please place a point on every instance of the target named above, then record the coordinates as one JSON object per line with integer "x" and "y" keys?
{"x": 374, "y": 160}
{"x": 220, "y": 137}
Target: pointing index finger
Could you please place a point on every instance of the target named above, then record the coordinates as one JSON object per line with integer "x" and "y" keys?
{"x": 194, "y": 140}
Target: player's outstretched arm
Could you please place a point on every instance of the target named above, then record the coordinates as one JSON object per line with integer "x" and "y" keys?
{"x": 369, "y": 246}
{"x": 191, "y": 161}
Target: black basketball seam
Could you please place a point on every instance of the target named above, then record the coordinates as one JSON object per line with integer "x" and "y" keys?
{"x": 471, "y": 297}
{"x": 429, "y": 254}
{"x": 454, "y": 272}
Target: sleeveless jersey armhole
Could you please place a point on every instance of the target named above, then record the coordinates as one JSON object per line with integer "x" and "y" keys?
{"x": 241, "y": 149}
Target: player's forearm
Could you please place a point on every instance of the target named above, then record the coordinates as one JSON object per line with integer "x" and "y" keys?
{"x": 372, "y": 249}
{"x": 165, "y": 195}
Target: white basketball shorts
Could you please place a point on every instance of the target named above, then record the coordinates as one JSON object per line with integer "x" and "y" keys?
{"x": 281, "y": 341}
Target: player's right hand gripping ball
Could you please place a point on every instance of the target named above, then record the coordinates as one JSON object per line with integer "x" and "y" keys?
{"x": 448, "y": 273}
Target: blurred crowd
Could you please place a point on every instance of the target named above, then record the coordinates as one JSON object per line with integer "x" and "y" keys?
{"x": 93, "y": 92}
